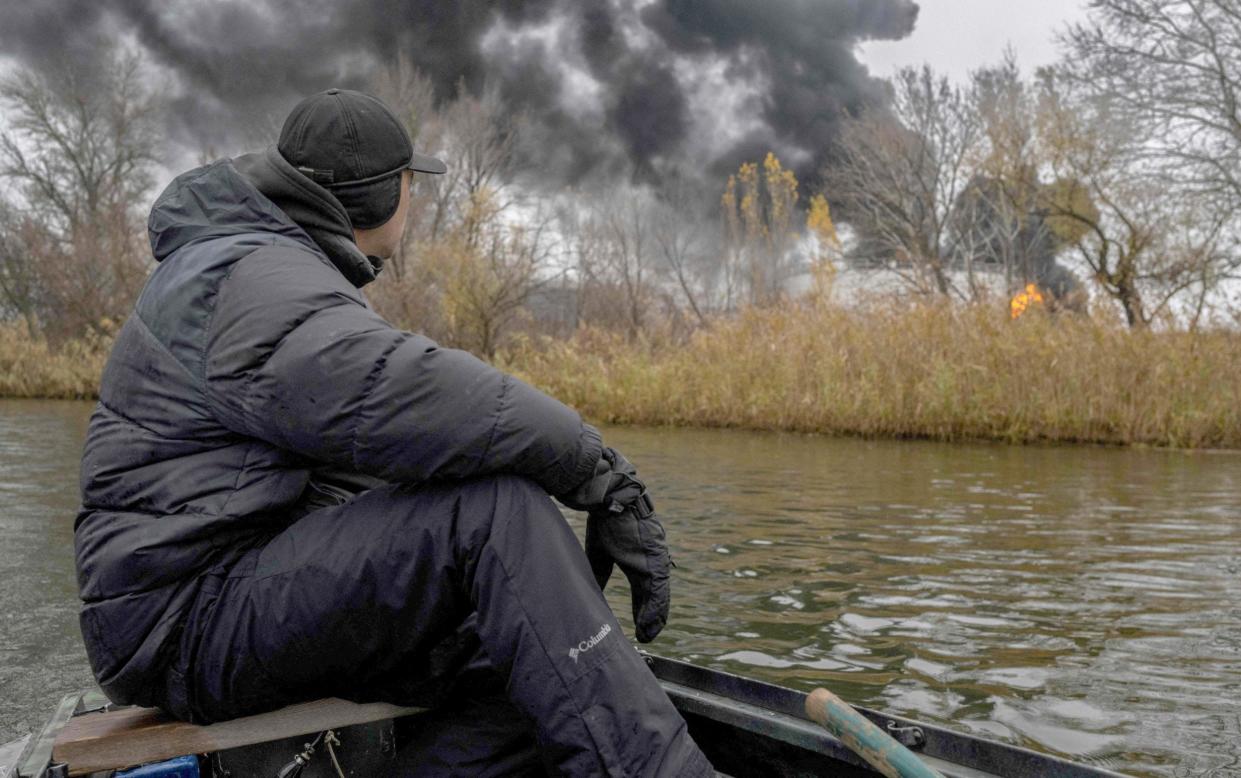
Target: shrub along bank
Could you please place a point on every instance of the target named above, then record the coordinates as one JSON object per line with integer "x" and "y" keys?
{"x": 30, "y": 366}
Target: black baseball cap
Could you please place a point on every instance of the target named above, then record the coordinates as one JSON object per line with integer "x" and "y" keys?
{"x": 351, "y": 144}
{"x": 345, "y": 138}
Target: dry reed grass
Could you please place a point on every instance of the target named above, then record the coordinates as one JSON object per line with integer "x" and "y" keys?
{"x": 32, "y": 367}
{"x": 943, "y": 373}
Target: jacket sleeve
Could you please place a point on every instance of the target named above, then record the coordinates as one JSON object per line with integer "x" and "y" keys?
{"x": 295, "y": 357}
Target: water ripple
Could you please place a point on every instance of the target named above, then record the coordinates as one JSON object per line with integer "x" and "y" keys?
{"x": 1079, "y": 601}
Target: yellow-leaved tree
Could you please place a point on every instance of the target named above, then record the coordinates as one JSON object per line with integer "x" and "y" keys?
{"x": 759, "y": 215}
{"x": 827, "y": 247}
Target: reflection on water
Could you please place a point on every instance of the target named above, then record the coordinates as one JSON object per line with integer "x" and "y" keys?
{"x": 1081, "y": 601}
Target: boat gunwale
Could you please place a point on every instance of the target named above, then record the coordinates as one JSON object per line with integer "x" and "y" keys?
{"x": 36, "y": 759}
{"x": 977, "y": 754}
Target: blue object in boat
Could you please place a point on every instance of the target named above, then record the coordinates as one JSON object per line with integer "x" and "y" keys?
{"x": 181, "y": 767}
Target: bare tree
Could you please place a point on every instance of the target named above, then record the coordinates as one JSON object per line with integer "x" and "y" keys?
{"x": 1166, "y": 74}
{"x": 1146, "y": 247}
{"x": 625, "y": 224}
{"x": 486, "y": 270}
{"x": 22, "y": 291}
{"x": 79, "y": 154}
{"x": 476, "y": 136}
{"x": 1172, "y": 70}
{"x": 408, "y": 92}
{"x": 1002, "y": 208}
{"x": 899, "y": 177}
{"x": 606, "y": 266}
{"x": 679, "y": 234}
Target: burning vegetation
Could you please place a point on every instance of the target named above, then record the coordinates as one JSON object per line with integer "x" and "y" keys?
{"x": 1030, "y": 297}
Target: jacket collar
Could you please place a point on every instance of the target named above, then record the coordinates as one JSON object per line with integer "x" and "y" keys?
{"x": 312, "y": 208}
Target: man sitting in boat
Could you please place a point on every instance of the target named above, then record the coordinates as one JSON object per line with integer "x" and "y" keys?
{"x": 286, "y": 498}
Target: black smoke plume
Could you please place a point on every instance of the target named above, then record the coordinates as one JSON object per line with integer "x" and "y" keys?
{"x": 610, "y": 86}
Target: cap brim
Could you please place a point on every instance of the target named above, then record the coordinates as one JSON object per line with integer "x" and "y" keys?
{"x": 425, "y": 164}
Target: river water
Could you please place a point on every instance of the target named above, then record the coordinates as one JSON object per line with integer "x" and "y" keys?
{"x": 1079, "y": 601}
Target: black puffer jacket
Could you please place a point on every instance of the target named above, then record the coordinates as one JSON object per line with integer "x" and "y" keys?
{"x": 250, "y": 360}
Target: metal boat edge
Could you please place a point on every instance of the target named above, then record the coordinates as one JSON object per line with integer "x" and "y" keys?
{"x": 776, "y": 712}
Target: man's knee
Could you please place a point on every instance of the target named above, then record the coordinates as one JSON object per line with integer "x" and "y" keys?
{"x": 508, "y": 502}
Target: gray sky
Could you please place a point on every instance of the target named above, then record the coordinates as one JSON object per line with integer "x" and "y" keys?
{"x": 956, "y": 36}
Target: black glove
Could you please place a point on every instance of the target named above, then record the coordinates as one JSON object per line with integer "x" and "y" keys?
{"x": 622, "y": 529}
{"x": 613, "y": 487}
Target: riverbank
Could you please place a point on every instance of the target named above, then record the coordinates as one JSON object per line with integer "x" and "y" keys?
{"x": 939, "y": 373}
{"x": 933, "y": 372}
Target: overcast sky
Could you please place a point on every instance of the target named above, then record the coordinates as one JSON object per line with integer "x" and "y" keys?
{"x": 957, "y": 36}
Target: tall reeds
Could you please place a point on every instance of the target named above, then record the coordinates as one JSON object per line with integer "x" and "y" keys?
{"x": 944, "y": 373}
{"x": 30, "y": 366}
{"x": 938, "y": 372}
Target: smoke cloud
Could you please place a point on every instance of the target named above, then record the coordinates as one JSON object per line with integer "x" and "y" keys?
{"x": 611, "y": 87}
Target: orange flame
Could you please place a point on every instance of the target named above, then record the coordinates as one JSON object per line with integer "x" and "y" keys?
{"x": 1022, "y": 301}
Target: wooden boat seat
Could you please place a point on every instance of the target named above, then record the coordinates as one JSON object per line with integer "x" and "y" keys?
{"x": 111, "y": 740}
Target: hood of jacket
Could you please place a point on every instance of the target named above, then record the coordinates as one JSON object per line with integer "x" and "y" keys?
{"x": 258, "y": 192}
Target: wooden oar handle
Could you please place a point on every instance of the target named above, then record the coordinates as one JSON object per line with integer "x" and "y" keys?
{"x": 864, "y": 738}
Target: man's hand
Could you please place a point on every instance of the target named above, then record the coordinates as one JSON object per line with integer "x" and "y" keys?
{"x": 622, "y": 529}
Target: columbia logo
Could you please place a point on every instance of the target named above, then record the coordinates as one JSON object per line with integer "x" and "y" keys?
{"x": 586, "y": 645}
